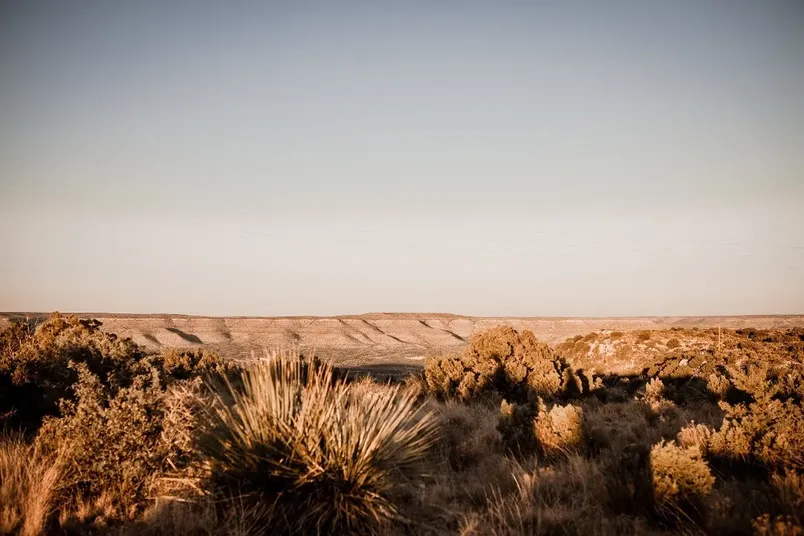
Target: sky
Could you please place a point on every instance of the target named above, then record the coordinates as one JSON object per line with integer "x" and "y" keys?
{"x": 528, "y": 158}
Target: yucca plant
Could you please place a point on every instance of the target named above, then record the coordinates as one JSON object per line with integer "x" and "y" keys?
{"x": 316, "y": 456}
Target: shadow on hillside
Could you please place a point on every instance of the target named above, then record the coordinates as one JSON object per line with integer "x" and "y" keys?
{"x": 189, "y": 337}
{"x": 394, "y": 372}
{"x": 615, "y": 387}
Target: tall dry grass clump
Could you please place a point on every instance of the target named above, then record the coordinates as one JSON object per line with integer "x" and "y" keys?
{"x": 28, "y": 485}
{"x": 313, "y": 455}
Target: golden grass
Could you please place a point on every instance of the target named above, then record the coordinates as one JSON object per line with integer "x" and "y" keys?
{"x": 29, "y": 483}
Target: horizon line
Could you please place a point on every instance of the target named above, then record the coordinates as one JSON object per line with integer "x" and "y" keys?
{"x": 387, "y": 313}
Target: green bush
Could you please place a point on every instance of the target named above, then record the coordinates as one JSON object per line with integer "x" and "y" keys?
{"x": 501, "y": 360}
{"x": 553, "y": 432}
{"x": 39, "y": 366}
{"x": 695, "y": 435}
{"x": 760, "y": 381}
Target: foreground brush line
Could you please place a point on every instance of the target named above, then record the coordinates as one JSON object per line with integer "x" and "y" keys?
{"x": 701, "y": 433}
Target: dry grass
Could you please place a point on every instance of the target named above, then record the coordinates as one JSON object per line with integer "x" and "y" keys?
{"x": 29, "y": 482}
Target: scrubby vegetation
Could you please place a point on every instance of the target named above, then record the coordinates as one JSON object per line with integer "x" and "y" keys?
{"x": 501, "y": 360}
{"x": 681, "y": 479}
{"x": 688, "y": 432}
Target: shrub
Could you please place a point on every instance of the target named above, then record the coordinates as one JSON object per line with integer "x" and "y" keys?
{"x": 758, "y": 380}
{"x": 765, "y": 525}
{"x": 515, "y": 424}
{"x": 718, "y": 385}
{"x": 300, "y": 451}
{"x": 673, "y": 343}
{"x": 695, "y": 435}
{"x": 766, "y": 426}
{"x": 502, "y": 360}
{"x": 560, "y": 430}
{"x": 105, "y": 408}
{"x": 681, "y": 479}
{"x": 654, "y": 393}
{"x": 791, "y": 384}
{"x": 529, "y": 427}
{"x": 768, "y": 432}
{"x": 28, "y": 482}
{"x": 36, "y": 371}
{"x": 315, "y": 457}
{"x": 115, "y": 445}
{"x": 185, "y": 364}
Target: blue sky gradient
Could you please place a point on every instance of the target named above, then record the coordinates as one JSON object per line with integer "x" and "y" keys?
{"x": 489, "y": 158}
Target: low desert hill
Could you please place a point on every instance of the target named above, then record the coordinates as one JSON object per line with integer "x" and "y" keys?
{"x": 401, "y": 339}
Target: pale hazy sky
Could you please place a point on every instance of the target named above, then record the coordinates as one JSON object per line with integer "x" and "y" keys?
{"x": 490, "y": 158}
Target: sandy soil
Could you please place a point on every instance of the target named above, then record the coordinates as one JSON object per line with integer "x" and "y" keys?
{"x": 381, "y": 339}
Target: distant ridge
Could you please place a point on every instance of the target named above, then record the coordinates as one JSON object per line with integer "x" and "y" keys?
{"x": 376, "y": 337}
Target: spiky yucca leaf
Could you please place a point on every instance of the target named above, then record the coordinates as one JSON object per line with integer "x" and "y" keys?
{"x": 318, "y": 456}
